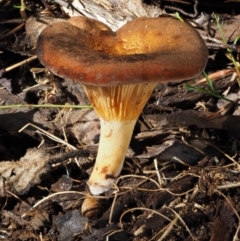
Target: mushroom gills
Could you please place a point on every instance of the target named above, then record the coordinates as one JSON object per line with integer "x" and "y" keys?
{"x": 119, "y": 108}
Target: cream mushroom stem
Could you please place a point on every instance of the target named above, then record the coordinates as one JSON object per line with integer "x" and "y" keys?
{"x": 118, "y": 108}
{"x": 115, "y": 137}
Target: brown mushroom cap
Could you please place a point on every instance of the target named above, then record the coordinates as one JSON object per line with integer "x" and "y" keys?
{"x": 143, "y": 50}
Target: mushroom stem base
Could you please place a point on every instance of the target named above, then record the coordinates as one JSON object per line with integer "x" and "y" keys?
{"x": 115, "y": 137}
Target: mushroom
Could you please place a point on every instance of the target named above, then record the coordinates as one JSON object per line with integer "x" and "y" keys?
{"x": 119, "y": 71}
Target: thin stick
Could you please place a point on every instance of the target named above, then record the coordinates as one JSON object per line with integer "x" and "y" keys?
{"x": 113, "y": 205}
{"x": 20, "y": 63}
{"x": 50, "y": 136}
{"x": 160, "y": 180}
{"x": 178, "y": 216}
{"x": 13, "y": 31}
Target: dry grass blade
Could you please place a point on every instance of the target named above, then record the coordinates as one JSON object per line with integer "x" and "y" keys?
{"x": 225, "y": 154}
{"x": 138, "y": 176}
{"x": 111, "y": 233}
{"x": 160, "y": 179}
{"x": 50, "y": 136}
{"x": 179, "y": 217}
{"x": 167, "y": 231}
{"x": 142, "y": 209}
{"x": 229, "y": 185}
{"x": 56, "y": 194}
{"x": 113, "y": 204}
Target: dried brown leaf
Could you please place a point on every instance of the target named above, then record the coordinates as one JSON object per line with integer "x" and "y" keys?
{"x": 19, "y": 177}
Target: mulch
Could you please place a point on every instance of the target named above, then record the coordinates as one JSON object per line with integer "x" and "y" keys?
{"x": 180, "y": 180}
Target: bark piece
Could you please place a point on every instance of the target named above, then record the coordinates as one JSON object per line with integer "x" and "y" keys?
{"x": 112, "y": 13}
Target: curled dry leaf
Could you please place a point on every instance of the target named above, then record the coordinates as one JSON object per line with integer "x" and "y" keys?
{"x": 19, "y": 177}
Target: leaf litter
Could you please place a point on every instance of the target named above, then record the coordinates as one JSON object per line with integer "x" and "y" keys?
{"x": 181, "y": 175}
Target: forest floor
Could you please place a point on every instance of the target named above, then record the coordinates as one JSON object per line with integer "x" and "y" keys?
{"x": 181, "y": 176}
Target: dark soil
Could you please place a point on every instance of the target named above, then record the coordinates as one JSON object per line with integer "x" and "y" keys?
{"x": 181, "y": 176}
